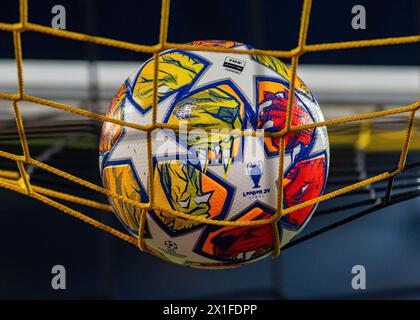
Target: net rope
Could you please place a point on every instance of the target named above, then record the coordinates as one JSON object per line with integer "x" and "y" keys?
{"x": 20, "y": 181}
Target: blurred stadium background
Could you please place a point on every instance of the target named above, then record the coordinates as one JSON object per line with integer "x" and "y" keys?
{"x": 35, "y": 236}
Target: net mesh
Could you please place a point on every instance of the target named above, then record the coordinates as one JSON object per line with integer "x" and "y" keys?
{"x": 19, "y": 181}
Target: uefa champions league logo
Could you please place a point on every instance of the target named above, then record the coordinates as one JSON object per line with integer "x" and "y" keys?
{"x": 171, "y": 245}
{"x": 255, "y": 170}
{"x": 170, "y": 248}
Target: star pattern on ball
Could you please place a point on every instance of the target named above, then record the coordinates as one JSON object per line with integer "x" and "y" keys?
{"x": 245, "y": 84}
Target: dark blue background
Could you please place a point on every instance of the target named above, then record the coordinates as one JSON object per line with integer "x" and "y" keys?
{"x": 267, "y": 24}
{"x": 34, "y": 236}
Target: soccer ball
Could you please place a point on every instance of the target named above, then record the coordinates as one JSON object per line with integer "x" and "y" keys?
{"x": 215, "y": 174}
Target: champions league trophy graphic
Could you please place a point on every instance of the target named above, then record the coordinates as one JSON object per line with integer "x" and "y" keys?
{"x": 255, "y": 170}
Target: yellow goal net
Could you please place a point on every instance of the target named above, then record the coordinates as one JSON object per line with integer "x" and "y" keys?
{"x": 19, "y": 180}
